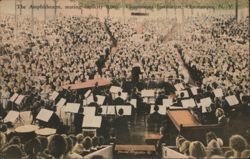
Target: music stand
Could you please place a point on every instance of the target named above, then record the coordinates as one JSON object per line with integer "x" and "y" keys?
{"x": 148, "y": 94}
{"x": 11, "y": 116}
{"x": 18, "y": 103}
{"x": 72, "y": 108}
{"x": 44, "y": 115}
{"x": 13, "y": 98}
{"x": 91, "y": 123}
{"x": 53, "y": 97}
{"x": 60, "y": 104}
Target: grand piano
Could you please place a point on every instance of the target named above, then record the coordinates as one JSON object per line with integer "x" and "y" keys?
{"x": 190, "y": 127}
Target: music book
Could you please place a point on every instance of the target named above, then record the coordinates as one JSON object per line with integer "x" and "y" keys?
{"x": 151, "y": 100}
{"x": 194, "y": 90}
{"x": 90, "y": 99}
{"x": 179, "y": 86}
{"x": 11, "y": 116}
{"x": 148, "y": 93}
{"x": 111, "y": 110}
{"x": 133, "y": 102}
{"x": 232, "y": 100}
{"x": 206, "y": 102}
{"x": 72, "y": 107}
{"x": 124, "y": 95}
{"x": 87, "y": 93}
{"x": 145, "y": 100}
{"x": 218, "y": 92}
{"x": 14, "y": 97}
{"x": 61, "y": 102}
{"x": 100, "y": 99}
{"x": 167, "y": 102}
{"x": 127, "y": 109}
{"x": 19, "y": 99}
{"x": 44, "y": 115}
{"x": 92, "y": 122}
{"x": 115, "y": 89}
{"x": 206, "y": 109}
{"x": 188, "y": 103}
{"x": 54, "y": 95}
{"x": 89, "y": 111}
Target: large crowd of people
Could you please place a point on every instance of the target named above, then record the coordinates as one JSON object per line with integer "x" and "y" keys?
{"x": 71, "y": 50}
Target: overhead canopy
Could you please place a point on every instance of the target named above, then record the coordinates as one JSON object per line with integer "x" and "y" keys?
{"x": 88, "y": 84}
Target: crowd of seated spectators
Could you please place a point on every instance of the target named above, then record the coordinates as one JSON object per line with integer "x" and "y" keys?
{"x": 214, "y": 51}
{"x": 52, "y": 147}
{"x": 214, "y": 148}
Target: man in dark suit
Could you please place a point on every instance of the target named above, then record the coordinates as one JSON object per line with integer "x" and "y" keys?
{"x": 222, "y": 120}
{"x": 95, "y": 104}
{"x": 121, "y": 128}
{"x": 119, "y": 100}
{"x": 155, "y": 120}
{"x": 136, "y": 71}
{"x": 78, "y": 119}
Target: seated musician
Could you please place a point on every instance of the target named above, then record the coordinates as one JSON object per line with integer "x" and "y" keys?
{"x": 154, "y": 120}
{"x": 119, "y": 100}
{"x": 178, "y": 100}
{"x": 121, "y": 128}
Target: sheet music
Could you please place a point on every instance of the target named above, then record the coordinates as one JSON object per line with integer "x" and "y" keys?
{"x": 87, "y": 93}
{"x": 127, "y": 109}
{"x": 61, "y": 102}
{"x": 167, "y": 102}
{"x": 186, "y": 95}
{"x": 218, "y": 92}
{"x": 100, "y": 99}
{"x": 188, "y": 103}
{"x": 194, "y": 90}
{"x": 92, "y": 121}
{"x": 104, "y": 109}
{"x": 14, "y": 97}
{"x": 72, "y": 107}
{"x": 44, "y": 115}
{"x": 89, "y": 111}
{"x": 19, "y": 99}
{"x": 179, "y": 86}
{"x": 232, "y": 100}
{"x": 133, "y": 102}
{"x": 90, "y": 99}
{"x": 115, "y": 89}
{"x": 148, "y": 93}
{"x": 54, "y": 95}
{"x": 11, "y": 116}
{"x": 124, "y": 95}
{"x": 205, "y": 104}
{"x": 145, "y": 100}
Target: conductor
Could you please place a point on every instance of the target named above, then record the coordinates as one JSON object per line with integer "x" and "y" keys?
{"x": 136, "y": 71}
